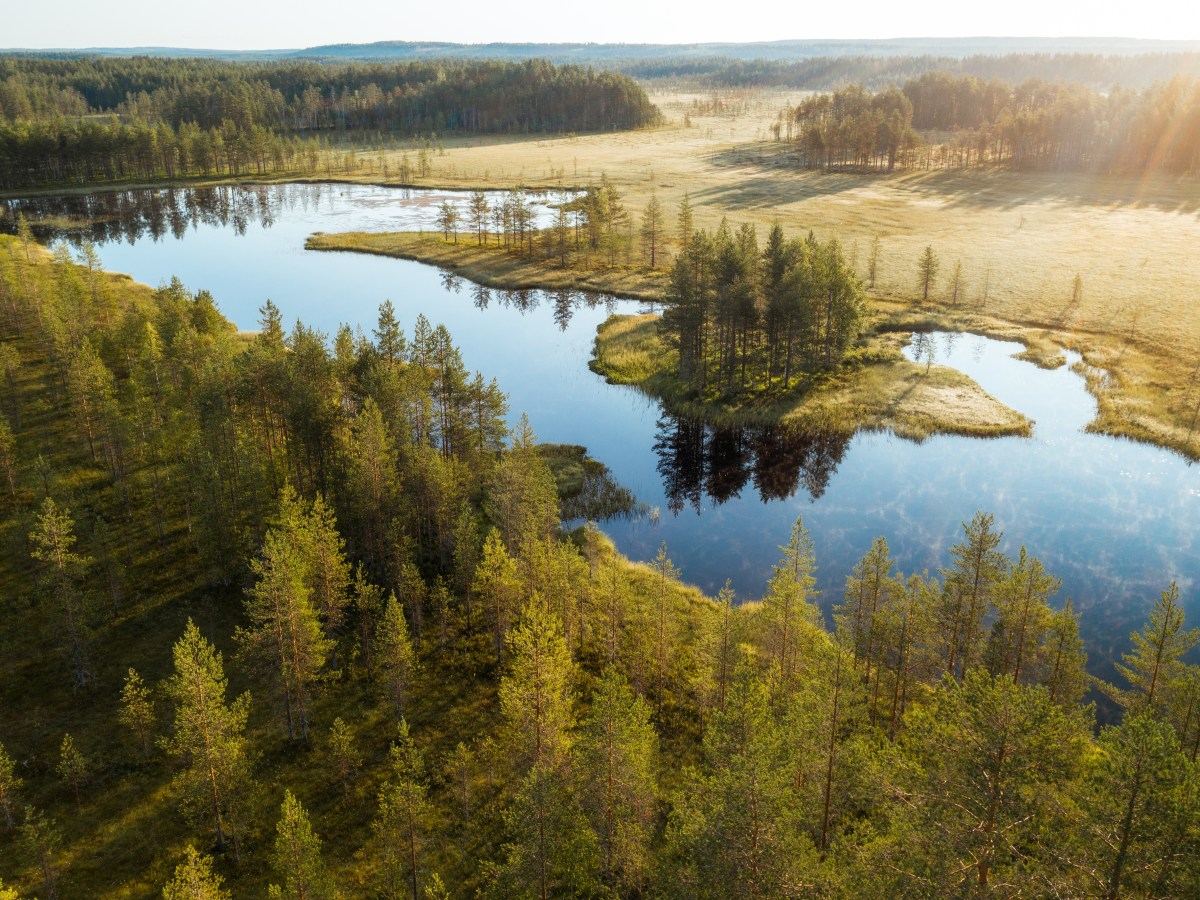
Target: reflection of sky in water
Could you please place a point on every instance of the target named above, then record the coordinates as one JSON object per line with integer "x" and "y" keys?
{"x": 1114, "y": 519}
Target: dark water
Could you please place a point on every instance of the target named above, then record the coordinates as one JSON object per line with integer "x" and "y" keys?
{"x": 1117, "y": 521}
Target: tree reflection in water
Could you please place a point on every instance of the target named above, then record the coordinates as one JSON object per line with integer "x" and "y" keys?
{"x": 698, "y": 461}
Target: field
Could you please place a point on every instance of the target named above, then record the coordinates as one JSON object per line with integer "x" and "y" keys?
{"x": 1021, "y": 239}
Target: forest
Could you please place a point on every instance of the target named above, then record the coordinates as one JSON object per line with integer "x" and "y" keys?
{"x": 741, "y": 317}
{"x": 824, "y": 72}
{"x": 297, "y": 614}
{"x": 93, "y": 119}
{"x": 940, "y": 120}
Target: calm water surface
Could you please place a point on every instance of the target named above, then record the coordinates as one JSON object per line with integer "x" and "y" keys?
{"x": 1117, "y": 521}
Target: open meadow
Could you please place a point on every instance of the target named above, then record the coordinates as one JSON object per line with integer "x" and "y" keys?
{"x": 1021, "y": 238}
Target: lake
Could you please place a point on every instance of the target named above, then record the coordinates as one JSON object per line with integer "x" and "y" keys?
{"x": 1116, "y": 520}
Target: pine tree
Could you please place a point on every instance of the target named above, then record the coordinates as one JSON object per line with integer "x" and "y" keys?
{"x": 651, "y": 230}
{"x": 871, "y": 589}
{"x": 284, "y": 641}
{"x": 968, "y": 591}
{"x": 495, "y": 584}
{"x": 790, "y": 616}
{"x": 61, "y": 579}
{"x": 368, "y": 604}
{"x": 41, "y": 844}
{"x": 479, "y": 215}
{"x": 664, "y": 620}
{"x": 617, "y": 760}
{"x": 1063, "y": 661}
{"x": 685, "y": 224}
{"x": 873, "y": 261}
{"x": 823, "y": 716}
{"x": 297, "y": 857}
{"x": 10, "y": 786}
{"x": 1022, "y": 617}
{"x": 460, "y": 772}
{"x": 73, "y": 768}
{"x": 327, "y": 571}
{"x": 1136, "y": 791}
{"x": 522, "y": 500}
{"x": 208, "y": 739}
{"x": 394, "y": 654}
{"x": 343, "y": 755}
{"x": 404, "y": 817}
{"x": 719, "y": 651}
{"x": 194, "y": 879}
{"x": 988, "y": 760}
{"x": 536, "y": 696}
{"x": 8, "y": 455}
{"x": 928, "y": 268}
{"x": 550, "y": 851}
{"x": 137, "y": 710}
{"x": 1157, "y": 648}
{"x": 733, "y": 829}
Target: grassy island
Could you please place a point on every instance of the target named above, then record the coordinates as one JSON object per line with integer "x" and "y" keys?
{"x": 879, "y": 389}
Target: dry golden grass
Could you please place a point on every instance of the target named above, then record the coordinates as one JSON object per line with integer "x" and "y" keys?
{"x": 1021, "y": 240}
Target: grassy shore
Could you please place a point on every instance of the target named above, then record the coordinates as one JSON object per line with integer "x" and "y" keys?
{"x": 881, "y": 390}
{"x": 491, "y": 266}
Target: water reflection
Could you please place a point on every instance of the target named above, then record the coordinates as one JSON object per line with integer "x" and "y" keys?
{"x": 563, "y": 303}
{"x": 698, "y": 461}
{"x": 129, "y": 216}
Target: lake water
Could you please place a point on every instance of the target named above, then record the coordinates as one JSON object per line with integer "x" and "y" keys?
{"x": 1117, "y": 521}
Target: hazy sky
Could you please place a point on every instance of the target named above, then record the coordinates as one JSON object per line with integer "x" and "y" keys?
{"x": 267, "y": 24}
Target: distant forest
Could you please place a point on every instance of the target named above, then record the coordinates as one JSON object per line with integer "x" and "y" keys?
{"x": 940, "y": 120}
{"x": 86, "y": 119}
{"x": 825, "y": 73}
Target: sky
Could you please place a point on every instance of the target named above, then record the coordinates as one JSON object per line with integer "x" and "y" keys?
{"x": 271, "y": 24}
